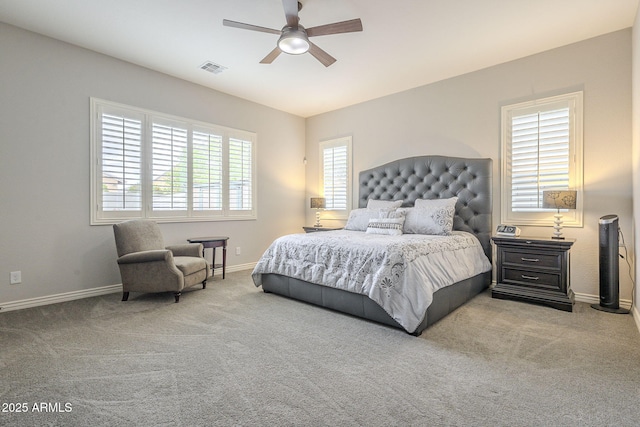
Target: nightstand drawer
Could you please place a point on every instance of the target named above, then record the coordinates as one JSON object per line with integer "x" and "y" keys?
{"x": 532, "y": 259}
{"x": 532, "y": 278}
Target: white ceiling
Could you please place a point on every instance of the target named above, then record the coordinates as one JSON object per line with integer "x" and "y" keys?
{"x": 405, "y": 43}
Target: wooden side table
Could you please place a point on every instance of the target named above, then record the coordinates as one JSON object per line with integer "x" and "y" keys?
{"x": 214, "y": 242}
{"x": 534, "y": 269}
{"x": 314, "y": 229}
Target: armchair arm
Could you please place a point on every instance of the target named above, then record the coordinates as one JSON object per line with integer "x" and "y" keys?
{"x": 187, "y": 249}
{"x": 146, "y": 256}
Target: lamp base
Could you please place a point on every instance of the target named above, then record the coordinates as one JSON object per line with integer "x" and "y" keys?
{"x": 317, "y": 224}
{"x": 557, "y": 227}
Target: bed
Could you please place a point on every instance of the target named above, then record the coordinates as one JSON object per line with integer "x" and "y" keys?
{"x": 415, "y": 181}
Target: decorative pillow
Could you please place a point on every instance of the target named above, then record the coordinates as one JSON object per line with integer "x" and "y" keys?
{"x": 385, "y": 204}
{"x": 359, "y": 218}
{"x": 388, "y": 226}
{"x": 429, "y": 203}
{"x": 430, "y": 217}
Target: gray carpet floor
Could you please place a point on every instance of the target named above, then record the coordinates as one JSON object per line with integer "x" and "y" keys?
{"x": 232, "y": 355}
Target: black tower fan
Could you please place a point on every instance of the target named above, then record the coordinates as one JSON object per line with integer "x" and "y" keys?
{"x": 609, "y": 266}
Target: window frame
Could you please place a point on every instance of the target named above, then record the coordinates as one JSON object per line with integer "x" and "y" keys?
{"x": 148, "y": 118}
{"x": 543, "y": 217}
{"x": 345, "y": 141}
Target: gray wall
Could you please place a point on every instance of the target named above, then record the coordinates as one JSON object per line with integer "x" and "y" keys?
{"x": 461, "y": 117}
{"x": 45, "y": 87}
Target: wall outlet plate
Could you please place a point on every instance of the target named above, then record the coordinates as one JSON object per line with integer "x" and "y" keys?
{"x": 16, "y": 277}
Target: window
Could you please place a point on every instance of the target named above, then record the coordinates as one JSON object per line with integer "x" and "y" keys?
{"x": 151, "y": 165}
{"x": 335, "y": 175}
{"x": 541, "y": 150}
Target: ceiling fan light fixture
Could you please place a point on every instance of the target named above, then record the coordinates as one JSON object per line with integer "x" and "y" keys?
{"x": 294, "y": 38}
{"x": 293, "y": 41}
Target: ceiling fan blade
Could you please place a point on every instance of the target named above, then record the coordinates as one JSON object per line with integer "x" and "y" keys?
{"x": 244, "y": 26}
{"x": 350, "y": 26}
{"x": 271, "y": 56}
{"x": 291, "y": 12}
{"x": 321, "y": 55}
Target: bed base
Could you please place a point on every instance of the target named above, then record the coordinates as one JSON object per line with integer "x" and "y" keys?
{"x": 445, "y": 300}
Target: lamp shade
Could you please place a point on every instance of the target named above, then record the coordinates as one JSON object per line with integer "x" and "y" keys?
{"x": 564, "y": 199}
{"x": 318, "y": 203}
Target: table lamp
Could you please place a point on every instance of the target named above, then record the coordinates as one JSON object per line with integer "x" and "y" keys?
{"x": 318, "y": 203}
{"x": 554, "y": 199}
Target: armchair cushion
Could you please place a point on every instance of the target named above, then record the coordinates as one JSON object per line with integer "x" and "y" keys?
{"x": 189, "y": 265}
{"x": 187, "y": 249}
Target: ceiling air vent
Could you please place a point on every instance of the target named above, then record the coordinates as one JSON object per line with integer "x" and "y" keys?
{"x": 212, "y": 67}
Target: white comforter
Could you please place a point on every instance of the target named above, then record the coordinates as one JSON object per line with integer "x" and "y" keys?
{"x": 400, "y": 273}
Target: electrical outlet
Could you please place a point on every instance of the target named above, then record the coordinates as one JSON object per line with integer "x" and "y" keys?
{"x": 238, "y": 251}
{"x": 16, "y": 277}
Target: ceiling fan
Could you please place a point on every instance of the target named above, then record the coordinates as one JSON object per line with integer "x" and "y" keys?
{"x": 294, "y": 38}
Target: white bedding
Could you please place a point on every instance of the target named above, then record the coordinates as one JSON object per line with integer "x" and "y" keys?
{"x": 400, "y": 273}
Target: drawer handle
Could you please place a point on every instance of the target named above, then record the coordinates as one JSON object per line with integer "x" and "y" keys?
{"x": 530, "y": 277}
{"x": 530, "y": 259}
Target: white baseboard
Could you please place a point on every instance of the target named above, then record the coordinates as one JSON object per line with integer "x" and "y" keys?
{"x": 240, "y": 267}
{"x": 87, "y": 293}
{"x": 64, "y": 297}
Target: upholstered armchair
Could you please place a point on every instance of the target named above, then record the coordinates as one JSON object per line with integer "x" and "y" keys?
{"x": 146, "y": 265}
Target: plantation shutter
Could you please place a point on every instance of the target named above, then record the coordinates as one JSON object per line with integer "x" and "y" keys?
{"x": 336, "y": 174}
{"x": 169, "y": 168}
{"x": 240, "y": 175}
{"x": 147, "y": 164}
{"x": 207, "y": 171}
{"x": 542, "y": 146}
{"x": 540, "y": 143}
{"x": 121, "y": 162}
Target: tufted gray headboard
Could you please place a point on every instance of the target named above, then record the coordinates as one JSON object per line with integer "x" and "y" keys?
{"x": 437, "y": 177}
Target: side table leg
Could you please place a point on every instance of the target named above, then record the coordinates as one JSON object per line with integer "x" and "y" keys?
{"x": 224, "y": 260}
{"x": 213, "y": 265}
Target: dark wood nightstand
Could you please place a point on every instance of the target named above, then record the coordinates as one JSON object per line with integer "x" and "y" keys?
{"x": 314, "y": 229}
{"x": 534, "y": 269}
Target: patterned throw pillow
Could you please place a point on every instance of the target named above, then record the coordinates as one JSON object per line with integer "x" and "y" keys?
{"x": 430, "y": 216}
{"x": 388, "y": 226}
